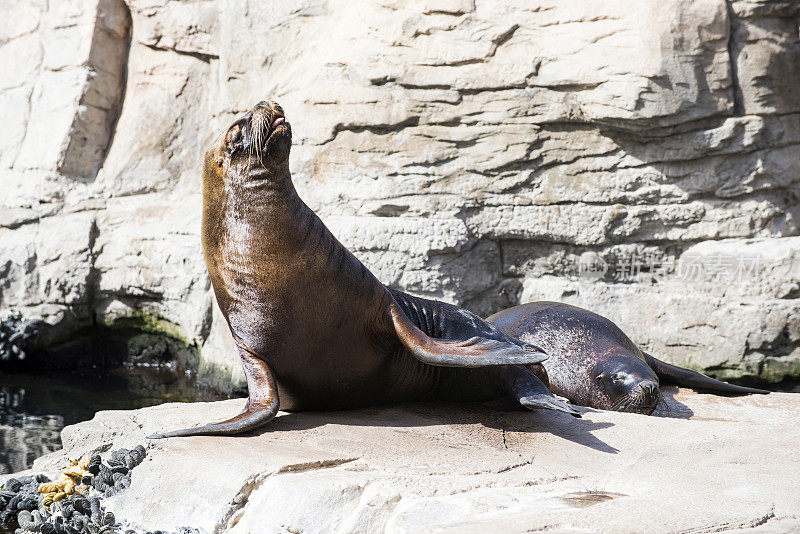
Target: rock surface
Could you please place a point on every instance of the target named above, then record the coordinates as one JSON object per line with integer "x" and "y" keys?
{"x": 731, "y": 466}
{"x": 472, "y": 151}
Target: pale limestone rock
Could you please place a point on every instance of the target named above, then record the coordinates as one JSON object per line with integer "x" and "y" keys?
{"x": 49, "y": 262}
{"x": 75, "y": 65}
{"x": 465, "y": 150}
{"x": 462, "y": 468}
{"x": 765, "y": 51}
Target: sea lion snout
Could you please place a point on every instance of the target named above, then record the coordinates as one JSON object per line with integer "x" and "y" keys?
{"x": 634, "y": 394}
{"x": 628, "y": 385}
{"x": 271, "y": 111}
{"x": 649, "y": 387}
{"x": 650, "y": 395}
{"x": 267, "y": 120}
{"x": 258, "y": 141}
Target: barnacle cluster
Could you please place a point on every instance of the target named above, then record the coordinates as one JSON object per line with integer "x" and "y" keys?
{"x": 73, "y": 480}
{"x": 70, "y": 504}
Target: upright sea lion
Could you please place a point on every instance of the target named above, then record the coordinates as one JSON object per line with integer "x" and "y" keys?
{"x": 593, "y": 363}
{"x": 314, "y": 328}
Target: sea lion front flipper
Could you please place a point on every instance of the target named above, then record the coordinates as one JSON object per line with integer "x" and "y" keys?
{"x": 523, "y": 384}
{"x": 261, "y": 408}
{"x": 693, "y": 379}
{"x": 476, "y": 351}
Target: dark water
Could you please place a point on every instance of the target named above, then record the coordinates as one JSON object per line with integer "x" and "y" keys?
{"x": 34, "y": 408}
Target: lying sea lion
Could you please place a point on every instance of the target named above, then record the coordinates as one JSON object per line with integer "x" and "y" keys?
{"x": 315, "y": 330}
{"x": 593, "y": 363}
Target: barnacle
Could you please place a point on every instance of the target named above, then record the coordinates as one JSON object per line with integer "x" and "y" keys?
{"x": 76, "y": 471}
{"x": 49, "y": 487}
{"x": 69, "y": 483}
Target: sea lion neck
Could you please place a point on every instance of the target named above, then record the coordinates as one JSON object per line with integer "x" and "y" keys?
{"x": 267, "y": 177}
{"x": 264, "y": 208}
{"x": 258, "y": 179}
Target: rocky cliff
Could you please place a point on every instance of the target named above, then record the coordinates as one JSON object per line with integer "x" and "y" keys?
{"x": 639, "y": 159}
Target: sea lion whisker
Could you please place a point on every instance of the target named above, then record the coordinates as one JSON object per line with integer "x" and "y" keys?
{"x": 257, "y": 123}
{"x": 616, "y": 406}
{"x": 261, "y": 134}
{"x": 629, "y": 405}
{"x": 634, "y": 403}
{"x": 256, "y": 144}
{"x": 616, "y": 403}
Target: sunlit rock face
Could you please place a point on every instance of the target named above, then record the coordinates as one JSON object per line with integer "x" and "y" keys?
{"x": 638, "y": 159}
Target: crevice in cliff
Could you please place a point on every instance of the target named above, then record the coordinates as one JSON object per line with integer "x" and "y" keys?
{"x": 502, "y": 39}
{"x": 378, "y": 129}
{"x": 91, "y": 135}
{"x": 733, "y": 58}
{"x": 454, "y": 63}
{"x": 93, "y": 278}
{"x": 202, "y": 56}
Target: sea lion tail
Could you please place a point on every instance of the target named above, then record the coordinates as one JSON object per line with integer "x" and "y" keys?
{"x": 693, "y": 379}
{"x": 473, "y": 352}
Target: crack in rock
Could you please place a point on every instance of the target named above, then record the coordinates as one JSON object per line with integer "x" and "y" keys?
{"x": 733, "y": 525}
{"x": 237, "y": 505}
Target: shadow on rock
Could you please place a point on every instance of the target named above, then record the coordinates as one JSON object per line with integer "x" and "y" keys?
{"x": 566, "y": 427}
{"x": 670, "y": 406}
{"x": 436, "y": 414}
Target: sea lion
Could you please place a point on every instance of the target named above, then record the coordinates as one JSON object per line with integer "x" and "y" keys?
{"x": 315, "y": 330}
{"x": 593, "y": 363}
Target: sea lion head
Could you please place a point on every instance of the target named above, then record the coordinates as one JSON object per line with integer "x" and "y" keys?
{"x": 255, "y": 147}
{"x": 626, "y": 383}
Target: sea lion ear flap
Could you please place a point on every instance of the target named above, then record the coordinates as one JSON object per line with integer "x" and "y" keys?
{"x": 472, "y": 352}
{"x": 692, "y": 379}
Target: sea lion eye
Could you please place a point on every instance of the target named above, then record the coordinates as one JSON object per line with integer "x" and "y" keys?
{"x": 234, "y": 138}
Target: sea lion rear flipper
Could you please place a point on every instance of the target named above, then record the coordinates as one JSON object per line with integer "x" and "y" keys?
{"x": 531, "y": 392}
{"x": 261, "y": 408}
{"x": 693, "y": 379}
{"x": 475, "y": 351}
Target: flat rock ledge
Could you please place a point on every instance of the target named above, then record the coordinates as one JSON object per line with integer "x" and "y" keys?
{"x": 731, "y": 466}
